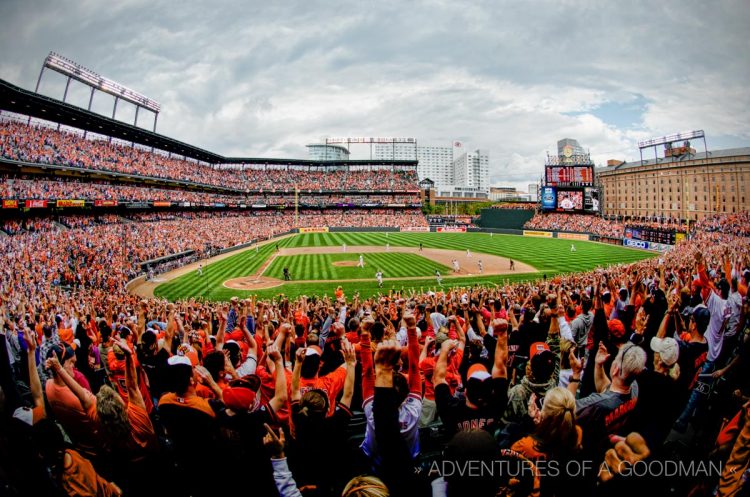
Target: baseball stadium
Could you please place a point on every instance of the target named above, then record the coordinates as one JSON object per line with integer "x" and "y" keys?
{"x": 180, "y": 322}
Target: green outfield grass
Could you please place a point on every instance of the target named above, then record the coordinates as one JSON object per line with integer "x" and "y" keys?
{"x": 321, "y": 266}
{"x": 548, "y": 256}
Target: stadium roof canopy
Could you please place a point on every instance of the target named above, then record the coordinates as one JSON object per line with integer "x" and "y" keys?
{"x": 28, "y": 103}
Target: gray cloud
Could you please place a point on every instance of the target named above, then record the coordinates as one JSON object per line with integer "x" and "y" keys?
{"x": 265, "y": 78}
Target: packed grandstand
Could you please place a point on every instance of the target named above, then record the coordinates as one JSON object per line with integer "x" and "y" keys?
{"x": 107, "y": 393}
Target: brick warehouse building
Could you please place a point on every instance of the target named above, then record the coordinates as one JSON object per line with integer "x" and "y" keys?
{"x": 687, "y": 187}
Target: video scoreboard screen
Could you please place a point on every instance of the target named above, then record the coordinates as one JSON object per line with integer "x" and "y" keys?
{"x": 569, "y": 175}
{"x": 580, "y": 200}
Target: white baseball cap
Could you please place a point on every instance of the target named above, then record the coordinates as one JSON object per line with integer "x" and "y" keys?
{"x": 667, "y": 348}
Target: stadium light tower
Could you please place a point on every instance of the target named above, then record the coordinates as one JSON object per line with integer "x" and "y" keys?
{"x": 75, "y": 71}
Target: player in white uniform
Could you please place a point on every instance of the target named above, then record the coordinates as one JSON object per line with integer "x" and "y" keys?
{"x": 200, "y": 269}
{"x": 439, "y": 277}
{"x": 468, "y": 253}
{"x": 361, "y": 261}
{"x": 456, "y": 267}
{"x": 343, "y": 247}
{"x": 572, "y": 247}
{"x": 379, "y": 277}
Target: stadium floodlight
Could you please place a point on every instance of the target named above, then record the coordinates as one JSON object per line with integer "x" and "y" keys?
{"x": 677, "y": 137}
{"x": 88, "y": 77}
{"x": 684, "y": 136}
{"x": 75, "y": 71}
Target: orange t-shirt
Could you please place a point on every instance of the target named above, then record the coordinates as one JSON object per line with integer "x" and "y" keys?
{"x": 80, "y": 478}
{"x": 193, "y": 402}
{"x": 331, "y": 384}
{"x": 142, "y": 430}
{"x": 66, "y": 335}
{"x": 80, "y": 424}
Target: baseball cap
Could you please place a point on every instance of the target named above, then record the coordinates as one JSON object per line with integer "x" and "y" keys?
{"x": 538, "y": 347}
{"x": 313, "y": 350}
{"x": 25, "y": 415}
{"x": 179, "y": 359}
{"x": 63, "y": 352}
{"x": 667, "y": 348}
{"x": 702, "y": 317}
{"x": 242, "y": 394}
{"x": 477, "y": 372}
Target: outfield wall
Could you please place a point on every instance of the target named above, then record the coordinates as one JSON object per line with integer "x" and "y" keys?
{"x": 513, "y": 219}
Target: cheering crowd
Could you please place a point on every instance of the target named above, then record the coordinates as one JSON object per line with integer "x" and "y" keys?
{"x": 42, "y": 189}
{"x": 562, "y": 386}
{"x": 39, "y": 144}
{"x": 736, "y": 224}
{"x": 105, "y": 252}
{"x": 577, "y": 223}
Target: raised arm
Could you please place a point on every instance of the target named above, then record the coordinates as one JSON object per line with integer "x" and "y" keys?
{"x": 415, "y": 380}
{"x": 500, "y": 332}
{"x": 35, "y": 383}
{"x": 600, "y": 377}
{"x": 350, "y": 358}
{"x": 280, "y": 397}
{"x": 296, "y": 374}
{"x": 131, "y": 380}
{"x": 441, "y": 365}
{"x": 368, "y": 372}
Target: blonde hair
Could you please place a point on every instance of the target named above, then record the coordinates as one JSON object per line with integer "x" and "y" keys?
{"x": 113, "y": 416}
{"x": 557, "y": 434}
{"x": 365, "y": 486}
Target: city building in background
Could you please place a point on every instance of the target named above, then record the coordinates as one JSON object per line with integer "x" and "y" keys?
{"x": 435, "y": 162}
{"x": 689, "y": 186}
{"x": 456, "y": 175}
{"x": 510, "y": 193}
{"x": 472, "y": 170}
{"x": 568, "y": 147}
{"x": 325, "y": 152}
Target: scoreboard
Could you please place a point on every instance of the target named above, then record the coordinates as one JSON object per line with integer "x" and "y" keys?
{"x": 665, "y": 235}
{"x": 569, "y": 175}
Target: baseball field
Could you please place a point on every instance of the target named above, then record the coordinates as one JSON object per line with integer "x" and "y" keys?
{"x": 319, "y": 262}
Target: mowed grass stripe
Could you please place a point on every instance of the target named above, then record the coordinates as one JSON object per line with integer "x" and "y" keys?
{"x": 548, "y": 256}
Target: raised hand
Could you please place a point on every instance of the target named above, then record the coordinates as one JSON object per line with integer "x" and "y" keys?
{"x": 387, "y": 354}
{"x": 347, "y": 350}
{"x": 274, "y": 444}
{"x": 601, "y": 355}
{"x": 409, "y": 320}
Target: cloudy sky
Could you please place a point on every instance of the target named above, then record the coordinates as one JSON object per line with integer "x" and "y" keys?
{"x": 262, "y": 79}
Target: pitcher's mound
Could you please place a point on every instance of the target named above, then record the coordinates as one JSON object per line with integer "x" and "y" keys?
{"x": 253, "y": 283}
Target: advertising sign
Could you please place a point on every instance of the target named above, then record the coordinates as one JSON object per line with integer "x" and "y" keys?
{"x": 572, "y": 236}
{"x": 10, "y": 204}
{"x": 321, "y": 229}
{"x": 70, "y": 203}
{"x": 549, "y": 198}
{"x": 36, "y": 204}
{"x": 640, "y": 244}
{"x": 419, "y": 229}
{"x": 541, "y": 234}
{"x": 105, "y": 203}
{"x": 451, "y": 229}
